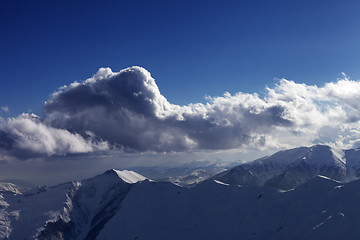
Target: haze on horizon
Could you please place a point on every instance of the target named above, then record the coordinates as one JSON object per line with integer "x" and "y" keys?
{"x": 210, "y": 83}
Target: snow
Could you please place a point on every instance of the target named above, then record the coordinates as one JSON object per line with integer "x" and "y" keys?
{"x": 129, "y": 176}
{"x": 324, "y": 177}
{"x": 221, "y": 183}
{"x": 338, "y": 154}
{"x": 9, "y": 188}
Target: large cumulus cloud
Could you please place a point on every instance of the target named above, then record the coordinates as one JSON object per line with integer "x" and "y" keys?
{"x": 125, "y": 110}
{"x": 128, "y": 110}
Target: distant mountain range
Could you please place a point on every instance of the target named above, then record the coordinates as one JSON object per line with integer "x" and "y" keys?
{"x": 302, "y": 193}
{"x": 289, "y": 168}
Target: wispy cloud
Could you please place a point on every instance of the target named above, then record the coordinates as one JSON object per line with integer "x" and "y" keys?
{"x": 5, "y": 109}
{"x": 125, "y": 110}
{"x": 26, "y": 136}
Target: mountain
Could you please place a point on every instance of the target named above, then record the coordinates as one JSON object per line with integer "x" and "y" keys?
{"x": 107, "y": 207}
{"x": 126, "y": 205}
{"x": 74, "y": 210}
{"x": 14, "y": 186}
{"x": 290, "y": 168}
{"x": 193, "y": 178}
{"x": 217, "y": 211}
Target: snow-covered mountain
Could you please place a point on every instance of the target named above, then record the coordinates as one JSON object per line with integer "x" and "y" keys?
{"x": 107, "y": 207}
{"x": 126, "y": 205}
{"x": 14, "y": 186}
{"x": 192, "y": 179}
{"x": 290, "y": 168}
{"x": 183, "y": 173}
{"x": 74, "y": 210}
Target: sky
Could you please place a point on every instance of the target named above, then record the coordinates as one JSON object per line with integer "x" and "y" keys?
{"x": 90, "y": 85}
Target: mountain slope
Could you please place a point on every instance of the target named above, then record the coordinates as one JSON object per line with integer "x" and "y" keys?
{"x": 215, "y": 211}
{"x": 75, "y": 210}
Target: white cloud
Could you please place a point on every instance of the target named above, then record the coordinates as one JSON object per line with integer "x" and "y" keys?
{"x": 290, "y": 114}
{"x": 127, "y": 110}
{"x": 320, "y": 114}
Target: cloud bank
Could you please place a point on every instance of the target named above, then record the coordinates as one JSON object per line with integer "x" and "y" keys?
{"x": 126, "y": 111}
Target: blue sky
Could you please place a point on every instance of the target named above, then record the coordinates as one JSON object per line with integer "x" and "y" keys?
{"x": 192, "y": 49}
{"x": 281, "y": 62}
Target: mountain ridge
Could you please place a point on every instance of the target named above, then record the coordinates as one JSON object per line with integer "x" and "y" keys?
{"x": 287, "y": 169}
{"x": 126, "y": 205}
